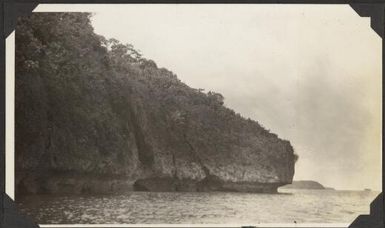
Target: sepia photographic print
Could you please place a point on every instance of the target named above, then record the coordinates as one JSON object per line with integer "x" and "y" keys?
{"x": 194, "y": 114}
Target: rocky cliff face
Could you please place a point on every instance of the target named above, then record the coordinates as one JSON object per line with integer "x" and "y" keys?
{"x": 92, "y": 116}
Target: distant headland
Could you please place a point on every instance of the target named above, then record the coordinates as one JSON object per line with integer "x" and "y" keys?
{"x": 306, "y": 184}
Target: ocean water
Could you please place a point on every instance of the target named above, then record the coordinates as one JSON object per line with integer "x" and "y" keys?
{"x": 291, "y": 206}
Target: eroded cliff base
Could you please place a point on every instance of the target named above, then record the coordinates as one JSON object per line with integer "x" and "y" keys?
{"x": 87, "y": 184}
{"x": 205, "y": 185}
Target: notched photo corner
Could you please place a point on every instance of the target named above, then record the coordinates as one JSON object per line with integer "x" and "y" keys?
{"x": 196, "y": 114}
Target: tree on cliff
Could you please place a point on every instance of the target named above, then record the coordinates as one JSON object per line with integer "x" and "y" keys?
{"x": 216, "y": 97}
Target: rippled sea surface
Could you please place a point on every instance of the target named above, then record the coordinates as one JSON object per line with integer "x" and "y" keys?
{"x": 300, "y": 206}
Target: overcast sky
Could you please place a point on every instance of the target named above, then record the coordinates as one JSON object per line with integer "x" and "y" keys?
{"x": 310, "y": 73}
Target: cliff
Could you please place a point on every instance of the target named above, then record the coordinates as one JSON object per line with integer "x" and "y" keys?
{"x": 304, "y": 184}
{"x": 93, "y": 116}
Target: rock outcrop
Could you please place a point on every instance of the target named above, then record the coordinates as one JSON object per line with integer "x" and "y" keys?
{"x": 93, "y": 116}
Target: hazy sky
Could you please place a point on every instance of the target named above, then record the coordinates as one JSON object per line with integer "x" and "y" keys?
{"x": 310, "y": 73}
